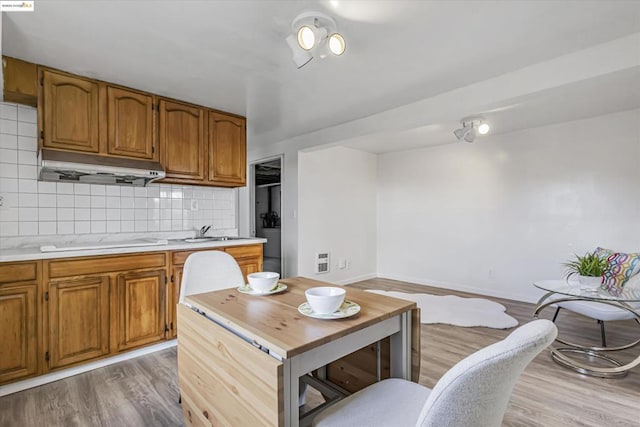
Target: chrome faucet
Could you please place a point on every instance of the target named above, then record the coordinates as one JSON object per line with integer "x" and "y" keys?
{"x": 203, "y": 230}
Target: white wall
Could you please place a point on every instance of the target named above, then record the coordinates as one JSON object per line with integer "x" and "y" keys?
{"x": 337, "y": 213}
{"x": 493, "y": 216}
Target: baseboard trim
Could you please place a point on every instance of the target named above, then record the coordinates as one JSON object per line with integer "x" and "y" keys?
{"x": 65, "y": 373}
{"x": 356, "y": 279}
{"x": 462, "y": 288}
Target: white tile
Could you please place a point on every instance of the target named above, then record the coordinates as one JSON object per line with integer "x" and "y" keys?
{"x": 187, "y": 224}
{"x": 176, "y": 204}
{"x": 28, "y": 200}
{"x": 113, "y": 226}
{"x": 113, "y": 202}
{"x": 82, "y": 201}
{"x": 8, "y": 185}
{"x": 98, "y": 214}
{"x": 126, "y": 191}
{"x": 9, "y": 112}
{"x": 27, "y": 143}
{"x": 98, "y": 226}
{"x": 127, "y": 202}
{"x": 153, "y": 225}
{"x": 153, "y": 203}
{"x": 187, "y": 192}
{"x": 82, "y": 227}
{"x": 27, "y": 185}
{"x": 8, "y": 229}
{"x": 45, "y": 187}
{"x": 165, "y": 214}
{"x": 176, "y": 225}
{"x": 65, "y": 201}
{"x": 165, "y": 225}
{"x": 10, "y": 214}
{"x": 27, "y": 171}
{"x": 113, "y": 214}
{"x": 176, "y": 192}
{"x": 27, "y": 129}
{"x": 8, "y": 171}
{"x": 165, "y": 191}
{"x": 186, "y": 204}
{"x": 113, "y": 190}
{"x": 165, "y": 203}
{"x": 47, "y": 200}
{"x": 8, "y": 141}
{"x": 84, "y": 189}
{"x": 11, "y": 200}
{"x": 140, "y": 192}
{"x": 98, "y": 190}
{"x": 27, "y": 157}
{"x": 140, "y": 214}
{"x": 198, "y": 194}
{"x": 98, "y": 201}
{"x": 127, "y": 226}
{"x": 26, "y": 114}
{"x": 140, "y": 203}
{"x": 47, "y": 228}
{"x": 64, "y": 188}
{"x": 153, "y": 191}
{"x": 127, "y": 214}
{"x": 153, "y": 214}
{"x": 141, "y": 226}
{"x": 82, "y": 214}
{"x": 28, "y": 228}
{"x": 8, "y": 156}
{"x": 45, "y": 214}
{"x": 9, "y": 127}
{"x": 176, "y": 214}
{"x": 66, "y": 227}
{"x": 65, "y": 214}
{"x": 28, "y": 214}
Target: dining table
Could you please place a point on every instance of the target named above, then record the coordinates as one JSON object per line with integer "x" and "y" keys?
{"x": 241, "y": 357}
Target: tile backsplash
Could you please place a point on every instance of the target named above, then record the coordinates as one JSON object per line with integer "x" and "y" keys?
{"x": 38, "y": 208}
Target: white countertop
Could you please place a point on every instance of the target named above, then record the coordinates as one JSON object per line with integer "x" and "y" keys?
{"x": 34, "y": 253}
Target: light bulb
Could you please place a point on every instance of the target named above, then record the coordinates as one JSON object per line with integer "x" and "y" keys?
{"x": 306, "y": 38}
{"x": 483, "y": 129}
{"x": 337, "y": 45}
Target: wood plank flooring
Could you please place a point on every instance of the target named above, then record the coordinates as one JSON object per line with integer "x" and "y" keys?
{"x": 144, "y": 392}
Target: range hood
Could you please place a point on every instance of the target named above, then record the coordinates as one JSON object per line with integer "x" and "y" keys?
{"x": 62, "y": 166}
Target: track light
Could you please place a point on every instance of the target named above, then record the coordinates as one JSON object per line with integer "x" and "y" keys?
{"x": 471, "y": 126}
{"x": 314, "y": 34}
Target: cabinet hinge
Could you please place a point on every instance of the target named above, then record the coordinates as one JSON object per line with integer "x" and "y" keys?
{"x": 166, "y": 327}
{"x": 46, "y": 297}
{"x": 165, "y": 279}
{"x": 172, "y": 279}
{"x": 153, "y": 149}
{"x": 41, "y": 134}
{"x": 41, "y": 81}
{"x": 46, "y": 356}
{"x": 172, "y": 326}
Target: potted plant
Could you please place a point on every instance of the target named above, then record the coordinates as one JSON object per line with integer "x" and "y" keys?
{"x": 589, "y": 269}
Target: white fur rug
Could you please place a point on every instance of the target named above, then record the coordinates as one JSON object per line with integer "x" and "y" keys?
{"x": 457, "y": 311}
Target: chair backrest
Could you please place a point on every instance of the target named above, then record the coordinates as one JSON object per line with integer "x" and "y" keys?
{"x": 476, "y": 391}
{"x": 208, "y": 271}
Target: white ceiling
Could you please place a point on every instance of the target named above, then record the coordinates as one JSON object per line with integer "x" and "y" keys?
{"x": 231, "y": 55}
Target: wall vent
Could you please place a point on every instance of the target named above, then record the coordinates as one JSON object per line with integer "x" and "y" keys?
{"x": 323, "y": 262}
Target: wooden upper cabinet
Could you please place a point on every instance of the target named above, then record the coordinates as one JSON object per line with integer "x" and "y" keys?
{"x": 78, "y": 316}
{"x": 227, "y": 150}
{"x": 182, "y": 141}
{"x": 71, "y": 112}
{"x": 20, "y": 81}
{"x": 141, "y": 308}
{"x": 130, "y": 127}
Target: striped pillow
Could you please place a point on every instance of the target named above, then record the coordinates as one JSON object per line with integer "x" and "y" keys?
{"x": 621, "y": 267}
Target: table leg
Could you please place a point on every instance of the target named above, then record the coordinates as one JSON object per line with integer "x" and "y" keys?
{"x": 401, "y": 349}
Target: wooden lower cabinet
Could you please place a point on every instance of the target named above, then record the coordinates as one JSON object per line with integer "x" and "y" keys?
{"x": 78, "y": 318}
{"x": 140, "y": 301}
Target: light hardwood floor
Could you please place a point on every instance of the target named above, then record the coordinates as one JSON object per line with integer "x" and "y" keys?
{"x": 144, "y": 392}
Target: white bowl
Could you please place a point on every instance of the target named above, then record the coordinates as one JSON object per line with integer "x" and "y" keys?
{"x": 263, "y": 281}
{"x": 325, "y": 299}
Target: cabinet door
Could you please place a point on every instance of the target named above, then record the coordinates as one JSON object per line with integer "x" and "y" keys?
{"x": 141, "y": 308}
{"x": 70, "y": 112}
{"x": 18, "y": 331}
{"x": 174, "y": 297}
{"x": 182, "y": 140}
{"x": 227, "y": 150}
{"x": 130, "y": 124}
{"x": 249, "y": 266}
{"x": 78, "y": 320}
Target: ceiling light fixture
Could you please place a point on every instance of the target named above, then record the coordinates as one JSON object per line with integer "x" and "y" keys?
{"x": 314, "y": 34}
{"x": 469, "y": 127}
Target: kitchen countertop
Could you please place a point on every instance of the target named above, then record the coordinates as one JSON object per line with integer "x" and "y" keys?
{"x": 33, "y": 253}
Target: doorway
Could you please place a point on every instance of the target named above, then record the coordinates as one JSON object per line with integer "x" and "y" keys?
{"x": 267, "y": 210}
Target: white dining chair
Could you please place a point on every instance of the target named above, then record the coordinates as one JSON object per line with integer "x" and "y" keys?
{"x": 209, "y": 271}
{"x": 475, "y": 392}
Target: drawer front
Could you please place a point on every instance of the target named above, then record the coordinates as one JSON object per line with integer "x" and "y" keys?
{"x": 81, "y": 266}
{"x": 179, "y": 258}
{"x": 248, "y": 251}
{"x": 18, "y": 272}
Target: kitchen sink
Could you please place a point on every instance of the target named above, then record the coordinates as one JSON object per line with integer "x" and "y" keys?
{"x": 213, "y": 239}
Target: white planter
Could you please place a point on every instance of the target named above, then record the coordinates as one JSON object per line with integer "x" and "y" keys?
{"x": 589, "y": 283}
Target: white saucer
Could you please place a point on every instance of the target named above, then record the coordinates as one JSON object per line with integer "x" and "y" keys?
{"x": 246, "y": 289}
{"x": 347, "y": 309}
